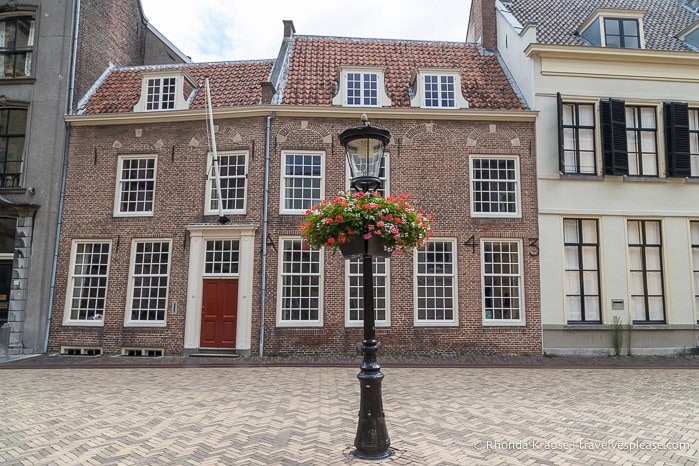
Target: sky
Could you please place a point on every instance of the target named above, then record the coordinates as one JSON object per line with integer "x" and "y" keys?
{"x": 215, "y": 30}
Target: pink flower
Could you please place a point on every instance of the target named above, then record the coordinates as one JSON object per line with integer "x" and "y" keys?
{"x": 367, "y": 236}
{"x": 379, "y": 224}
{"x": 370, "y": 228}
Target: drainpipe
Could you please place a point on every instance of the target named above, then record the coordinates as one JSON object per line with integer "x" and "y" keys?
{"x": 265, "y": 222}
{"x": 69, "y": 110}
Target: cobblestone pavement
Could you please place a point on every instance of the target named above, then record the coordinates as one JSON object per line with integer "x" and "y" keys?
{"x": 307, "y": 416}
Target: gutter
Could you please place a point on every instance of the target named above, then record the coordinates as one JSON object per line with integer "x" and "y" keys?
{"x": 265, "y": 225}
{"x": 69, "y": 110}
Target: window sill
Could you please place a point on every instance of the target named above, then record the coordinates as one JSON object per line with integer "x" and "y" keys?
{"x": 652, "y": 179}
{"x": 435, "y": 324}
{"x": 145, "y": 324}
{"x": 580, "y": 176}
{"x": 28, "y": 80}
{"x": 491, "y": 324}
{"x": 78, "y": 323}
{"x": 18, "y": 190}
{"x": 361, "y": 325}
{"x": 299, "y": 325}
{"x": 144, "y": 215}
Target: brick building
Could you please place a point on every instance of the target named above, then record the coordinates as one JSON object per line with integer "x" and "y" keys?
{"x": 52, "y": 53}
{"x": 145, "y": 267}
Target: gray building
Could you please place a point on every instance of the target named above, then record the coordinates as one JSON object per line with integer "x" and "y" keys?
{"x": 51, "y": 52}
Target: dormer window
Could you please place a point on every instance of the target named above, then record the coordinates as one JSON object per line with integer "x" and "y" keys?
{"x": 361, "y": 87}
{"x": 439, "y": 91}
{"x": 690, "y": 36}
{"x": 160, "y": 94}
{"x": 620, "y": 32}
{"x": 437, "y": 88}
{"x": 165, "y": 90}
{"x": 614, "y": 28}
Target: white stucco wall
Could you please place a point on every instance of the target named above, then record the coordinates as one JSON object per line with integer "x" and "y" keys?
{"x": 610, "y": 199}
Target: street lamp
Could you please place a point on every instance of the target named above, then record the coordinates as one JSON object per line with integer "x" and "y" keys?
{"x": 364, "y": 147}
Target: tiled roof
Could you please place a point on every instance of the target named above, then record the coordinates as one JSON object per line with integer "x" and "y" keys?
{"x": 558, "y": 20}
{"x": 232, "y": 84}
{"x": 315, "y": 61}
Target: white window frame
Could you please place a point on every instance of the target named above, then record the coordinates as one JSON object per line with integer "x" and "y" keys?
{"x": 359, "y": 323}
{"x": 119, "y": 180}
{"x": 67, "y": 320}
{"x": 280, "y": 286}
{"x": 454, "y": 321}
{"x": 521, "y": 322}
{"x": 418, "y": 86}
{"x": 382, "y": 98}
{"x": 518, "y": 183}
{"x": 283, "y": 177}
{"x": 206, "y": 262}
{"x": 128, "y": 322}
{"x": 211, "y": 194}
{"x": 385, "y": 179}
{"x": 180, "y": 102}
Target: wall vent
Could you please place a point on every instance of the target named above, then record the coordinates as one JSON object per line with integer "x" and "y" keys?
{"x": 142, "y": 352}
{"x": 80, "y": 351}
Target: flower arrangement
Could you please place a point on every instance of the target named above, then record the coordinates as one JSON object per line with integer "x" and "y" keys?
{"x": 399, "y": 224}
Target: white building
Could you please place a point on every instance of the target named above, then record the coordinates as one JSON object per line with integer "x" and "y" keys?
{"x": 616, "y": 83}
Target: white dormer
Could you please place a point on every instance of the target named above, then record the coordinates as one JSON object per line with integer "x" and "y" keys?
{"x": 361, "y": 86}
{"x": 165, "y": 90}
{"x": 437, "y": 88}
{"x": 690, "y": 36}
{"x": 614, "y": 28}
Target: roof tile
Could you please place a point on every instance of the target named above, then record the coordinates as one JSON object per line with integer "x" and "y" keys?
{"x": 315, "y": 63}
{"x": 232, "y": 84}
{"x": 559, "y": 20}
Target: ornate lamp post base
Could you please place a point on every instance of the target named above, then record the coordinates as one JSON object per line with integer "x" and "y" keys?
{"x": 372, "y": 441}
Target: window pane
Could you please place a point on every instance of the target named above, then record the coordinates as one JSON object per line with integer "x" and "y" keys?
{"x": 300, "y": 279}
{"x": 89, "y": 281}
{"x": 149, "y": 281}
{"x": 436, "y": 281}
{"x": 501, "y": 281}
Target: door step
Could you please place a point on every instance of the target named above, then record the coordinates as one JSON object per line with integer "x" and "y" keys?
{"x": 214, "y": 353}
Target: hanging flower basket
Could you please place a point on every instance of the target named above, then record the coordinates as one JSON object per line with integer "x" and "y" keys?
{"x": 366, "y": 223}
{"x": 358, "y": 247}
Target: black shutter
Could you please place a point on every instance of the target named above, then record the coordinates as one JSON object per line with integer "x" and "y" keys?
{"x": 613, "y": 119}
{"x": 561, "y": 155}
{"x": 677, "y": 139}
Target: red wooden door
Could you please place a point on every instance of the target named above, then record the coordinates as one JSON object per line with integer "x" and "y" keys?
{"x": 219, "y": 313}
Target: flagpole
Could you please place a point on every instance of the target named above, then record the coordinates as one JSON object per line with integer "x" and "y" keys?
{"x": 214, "y": 159}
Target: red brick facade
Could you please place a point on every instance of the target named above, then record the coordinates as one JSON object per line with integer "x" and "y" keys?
{"x": 429, "y": 159}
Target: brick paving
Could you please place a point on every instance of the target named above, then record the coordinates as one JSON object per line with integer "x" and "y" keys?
{"x": 252, "y": 415}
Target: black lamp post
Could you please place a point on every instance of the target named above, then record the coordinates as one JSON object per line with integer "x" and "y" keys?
{"x": 364, "y": 147}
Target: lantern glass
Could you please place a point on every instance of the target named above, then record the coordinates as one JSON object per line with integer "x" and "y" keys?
{"x": 364, "y": 156}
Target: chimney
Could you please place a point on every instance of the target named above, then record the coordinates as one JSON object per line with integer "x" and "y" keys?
{"x": 489, "y": 32}
{"x": 289, "y": 29}
{"x": 268, "y": 91}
